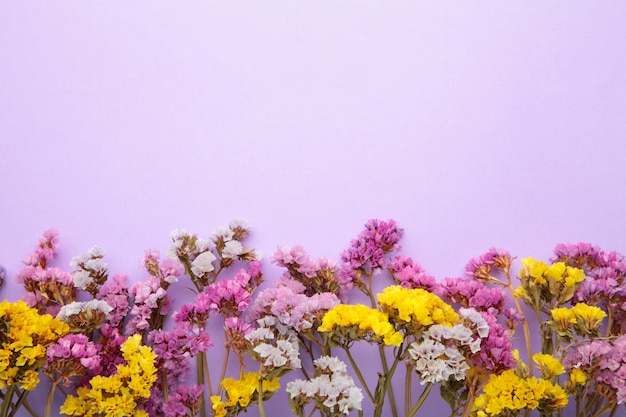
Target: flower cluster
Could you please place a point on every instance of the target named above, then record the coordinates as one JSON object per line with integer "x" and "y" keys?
{"x": 24, "y": 337}
{"x": 331, "y": 389}
{"x": 121, "y": 393}
{"x": 241, "y": 393}
{"x": 507, "y": 392}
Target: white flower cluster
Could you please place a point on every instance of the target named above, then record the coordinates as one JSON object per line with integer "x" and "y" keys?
{"x": 332, "y": 389}
{"x": 201, "y": 257}
{"x": 276, "y": 351}
{"x": 437, "y": 357}
{"x": 89, "y": 267}
{"x": 78, "y": 307}
{"x": 475, "y": 320}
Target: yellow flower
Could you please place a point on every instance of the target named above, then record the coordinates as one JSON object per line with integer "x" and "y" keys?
{"x": 416, "y": 308}
{"x": 359, "y": 322}
{"x": 548, "y": 365}
{"x": 219, "y": 408}
{"x": 588, "y": 317}
{"x": 577, "y": 377}
{"x": 563, "y": 317}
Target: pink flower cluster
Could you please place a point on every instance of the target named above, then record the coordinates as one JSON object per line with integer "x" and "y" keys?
{"x": 481, "y": 267}
{"x": 45, "y": 251}
{"x": 469, "y": 292}
{"x": 317, "y": 275}
{"x": 379, "y": 238}
{"x": 72, "y": 355}
{"x": 410, "y": 274}
{"x": 185, "y": 401}
{"x": 115, "y": 293}
{"x": 288, "y": 303}
{"x": 231, "y": 297}
{"x": 605, "y": 364}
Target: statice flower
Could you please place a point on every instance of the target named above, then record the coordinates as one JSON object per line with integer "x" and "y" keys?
{"x": 90, "y": 271}
{"x": 115, "y": 293}
{"x": 45, "y": 251}
{"x": 496, "y": 351}
{"x": 275, "y": 346}
{"x": 236, "y": 330}
{"x": 379, "y": 238}
{"x": 85, "y": 316}
{"x": 47, "y": 289}
{"x": 317, "y": 275}
{"x": 72, "y": 355}
{"x": 174, "y": 349}
{"x": 438, "y": 355}
{"x": 287, "y": 302}
{"x": 410, "y": 274}
{"x": 331, "y": 389}
{"x": 231, "y": 297}
{"x": 471, "y": 293}
{"x": 185, "y": 401}
{"x": 151, "y": 305}
{"x": 481, "y": 267}
{"x": 167, "y": 271}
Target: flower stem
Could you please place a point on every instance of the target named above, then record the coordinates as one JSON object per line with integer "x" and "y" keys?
{"x": 420, "y": 400}
{"x": 261, "y": 409}
{"x": 7, "y": 401}
{"x": 200, "y": 359}
{"x": 53, "y": 389}
{"x": 359, "y": 375}
{"x": 524, "y": 325}
{"x": 407, "y": 388}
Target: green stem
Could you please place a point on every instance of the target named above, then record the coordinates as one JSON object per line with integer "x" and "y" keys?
{"x": 261, "y": 409}
{"x": 387, "y": 381}
{"x": 525, "y": 326}
{"x": 420, "y": 400}
{"x": 53, "y": 389}
{"x": 18, "y": 403}
{"x": 408, "y": 380}
{"x": 7, "y": 401}
{"x": 200, "y": 359}
{"x": 359, "y": 375}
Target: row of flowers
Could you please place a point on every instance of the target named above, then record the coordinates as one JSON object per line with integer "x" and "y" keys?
{"x": 113, "y": 349}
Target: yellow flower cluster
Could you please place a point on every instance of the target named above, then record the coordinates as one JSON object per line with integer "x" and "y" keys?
{"x": 240, "y": 393}
{"x": 117, "y": 395}
{"x": 415, "y": 308}
{"x": 541, "y": 281}
{"x": 548, "y": 365}
{"x": 359, "y": 322}
{"x": 24, "y": 338}
{"x": 585, "y": 318}
{"x": 508, "y": 392}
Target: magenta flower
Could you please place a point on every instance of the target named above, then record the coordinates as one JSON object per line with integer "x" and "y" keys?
{"x": 481, "y": 267}
{"x": 410, "y": 275}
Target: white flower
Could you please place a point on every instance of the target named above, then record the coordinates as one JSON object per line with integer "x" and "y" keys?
{"x": 81, "y": 279}
{"x": 258, "y": 255}
{"x": 77, "y": 307}
{"x": 96, "y": 264}
{"x": 178, "y": 234}
{"x": 96, "y": 252}
{"x": 482, "y": 327}
{"x": 224, "y": 233}
{"x": 98, "y": 305}
{"x": 203, "y": 245}
{"x": 273, "y": 356}
{"x": 241, "y": 223}
{"x": 203, "y": 263}
{"x": 262, "y": 333}
{"x": 232, "y": 249}
{"x": 330, "y": 363}
{"x": 172, "y": 250}
{"x": 69, "y": 310}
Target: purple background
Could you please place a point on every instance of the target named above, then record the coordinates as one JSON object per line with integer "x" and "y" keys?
{"x": 499, "y": 124}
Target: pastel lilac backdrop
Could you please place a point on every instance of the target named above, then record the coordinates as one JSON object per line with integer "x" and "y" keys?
{"x": 473, "y": 125}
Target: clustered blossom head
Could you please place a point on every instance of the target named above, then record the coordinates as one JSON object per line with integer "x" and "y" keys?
{"x": 346, "y": 323}
{"x": 317, "y": 275}
{"x": 410, "y": 274}
{"x": 275, "y": 346}
{"x": 547, "y": 283}
{"x": 125, "y": 391}
{"x": 481, "y": 267}
{"x": 185, "y": 401}
{"x": 85, "y": 316}
{"x": 379, "y": 238}
{"x": 72, "y": 355}
{"x": 115, "y": 293}
{"x": 24, "y": 337}
{"x": 231, "y": 297}
{"x": 241, "y": 393}
{"x": 45, "y": 251}
{"x": 604, "y": 363}
{"x": 195, "y": 254}
{"x": 496, "y": 350}
{"x": 507, "y": 393}
{"x": 152, "y": 304}
{"x": 167, "y": 271}
{"x": 46, "y": 289}
{"x": 174, "y": 349}
{"x": 471, "y": 293}
{"x": 413, "y": 309}
{"x": 89, "y": 271}
{"x": 438, "y": 355}
{"x": 288, "y": 303}
{"x": 331, "y": 389}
